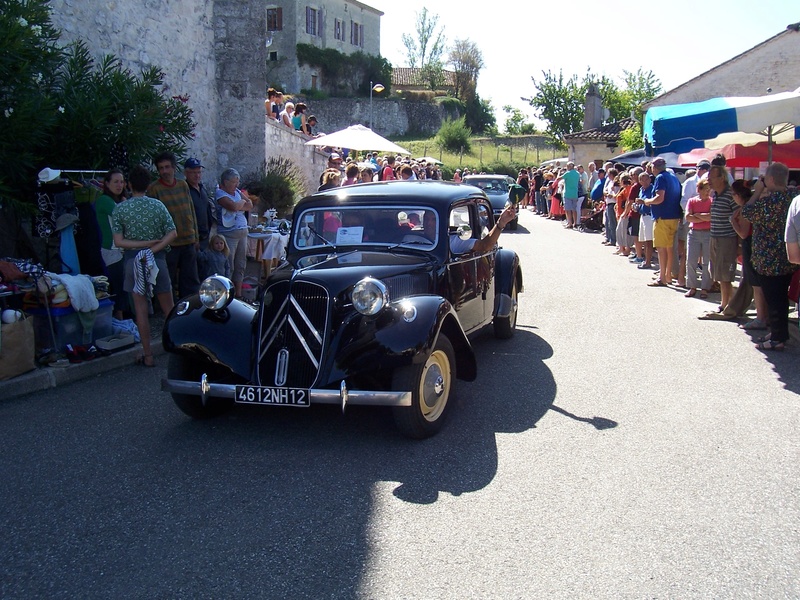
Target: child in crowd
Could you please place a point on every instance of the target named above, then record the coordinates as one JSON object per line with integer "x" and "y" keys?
{"x": 214, "y": 259}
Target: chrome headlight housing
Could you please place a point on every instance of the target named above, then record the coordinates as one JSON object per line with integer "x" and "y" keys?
{"x": 369, "y": 296}
{"x": 216, "y": 292}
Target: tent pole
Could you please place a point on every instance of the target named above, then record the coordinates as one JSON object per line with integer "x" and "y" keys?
{"x": 769, "y": 145}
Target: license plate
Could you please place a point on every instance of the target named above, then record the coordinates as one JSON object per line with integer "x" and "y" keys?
{"x": 276, "y": 396}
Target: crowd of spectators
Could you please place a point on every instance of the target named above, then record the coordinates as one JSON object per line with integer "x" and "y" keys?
{"x": 349, "y": 171}
{"x": 290, "y": 114}
{"x": 701, "y": 229}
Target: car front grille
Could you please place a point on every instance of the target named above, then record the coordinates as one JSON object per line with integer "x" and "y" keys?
{"x": 403, "y": 286}
{"x": 292, "y": 334}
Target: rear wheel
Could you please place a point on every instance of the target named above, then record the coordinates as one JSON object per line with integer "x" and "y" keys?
{"x": 431, "y": 385}
{"x": 183, "y": 368}
{"x": 504, "y": 326}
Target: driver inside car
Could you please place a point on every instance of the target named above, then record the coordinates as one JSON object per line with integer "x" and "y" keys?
{"x": 459, "y": 246}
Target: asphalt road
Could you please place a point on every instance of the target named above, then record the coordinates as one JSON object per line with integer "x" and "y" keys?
{"x": 617, "y": 447}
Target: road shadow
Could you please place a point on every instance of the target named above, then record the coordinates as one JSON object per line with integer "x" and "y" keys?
{"x": 783, "y": 363}
{"x": 139, "y": 500}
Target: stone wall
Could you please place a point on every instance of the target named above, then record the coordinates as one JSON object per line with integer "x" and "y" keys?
{"x": 284, "y": 142}
{"x": 389, "y": 117}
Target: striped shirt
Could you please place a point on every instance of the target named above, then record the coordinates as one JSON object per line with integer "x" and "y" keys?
{"x": 722, "y": 207}
{"x": 178, "y": 201}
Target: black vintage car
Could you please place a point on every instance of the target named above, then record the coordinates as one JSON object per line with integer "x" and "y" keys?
{"x": 371, "y": 307}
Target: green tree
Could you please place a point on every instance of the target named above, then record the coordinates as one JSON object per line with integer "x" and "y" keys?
{"x": 429, "y": 43}
{"x": 59, "y": 107}
{"x": 106, "y": 107}
{"x": 631, "y": 138}
{"x": 641, "y": 86}
{"x": 559, "y": 102}
{"x": 28, "y": 64}
{"x": 432, "y": 75}
{"x": 516, "y": 123}
{"x": 467, "y": 61}
{"x": 480, "y": 115}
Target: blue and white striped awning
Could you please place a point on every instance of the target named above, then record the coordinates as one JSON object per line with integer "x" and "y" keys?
{"x": 721, "y": 121}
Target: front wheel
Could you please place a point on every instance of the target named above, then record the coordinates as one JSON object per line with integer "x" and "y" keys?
{"x": 183, "y": 368}
{"x": 504, "y": 326}
{"x": 431, "y": 385}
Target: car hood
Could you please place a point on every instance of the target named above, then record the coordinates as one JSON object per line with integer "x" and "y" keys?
{"x": 342, "y": 269}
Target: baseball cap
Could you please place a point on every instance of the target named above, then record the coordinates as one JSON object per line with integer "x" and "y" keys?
{"x": 193, "y": 163}
{"x": 659, "y": 162}
{"x": 704, "y": 164}
{"x": 335, "y": 156}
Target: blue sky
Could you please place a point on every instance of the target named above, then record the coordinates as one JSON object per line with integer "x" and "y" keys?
{"x": 677, "y": 40}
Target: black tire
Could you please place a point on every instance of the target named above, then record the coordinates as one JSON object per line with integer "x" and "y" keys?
{"x": 431, "y": 385}
{"x": 504, "y": 327}
{"x": 184, "y": 369}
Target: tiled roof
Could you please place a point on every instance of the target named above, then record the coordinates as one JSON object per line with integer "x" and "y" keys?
{"x": 406, "y": 76}
{"x": 606, "y": 133}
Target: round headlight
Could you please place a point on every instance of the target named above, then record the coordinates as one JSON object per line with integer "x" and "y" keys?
{"x": 216, "y": 292}
{"x": 369, "y": 296}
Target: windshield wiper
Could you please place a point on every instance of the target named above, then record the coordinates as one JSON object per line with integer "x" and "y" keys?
{"x": 325, "y": 241}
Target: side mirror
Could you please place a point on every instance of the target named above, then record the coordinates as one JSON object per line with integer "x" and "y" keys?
{"x": 464, "y": 232}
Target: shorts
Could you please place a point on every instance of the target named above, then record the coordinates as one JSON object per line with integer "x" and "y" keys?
{"x": 645, "y": 228}
{"x": 163, "y": 283}
{"x": 571, "y": 204}
{"x": 723, "y": 258}
{"x": 664, "y": 231}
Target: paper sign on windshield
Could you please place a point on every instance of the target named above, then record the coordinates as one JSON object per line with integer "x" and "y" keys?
{"x": 349, "y": 235}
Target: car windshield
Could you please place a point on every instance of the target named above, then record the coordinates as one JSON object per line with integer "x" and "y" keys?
{"x": 367, "y": 226}
{"x": 490, "y": 186}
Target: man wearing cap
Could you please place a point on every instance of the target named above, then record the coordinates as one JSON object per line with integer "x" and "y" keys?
{"x": 174, "y": 193}
{"x": 193, "y": 171}
{"x": 666, "y": 208}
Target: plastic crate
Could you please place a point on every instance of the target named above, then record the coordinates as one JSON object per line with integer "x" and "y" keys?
{"x": 68, "y": 327}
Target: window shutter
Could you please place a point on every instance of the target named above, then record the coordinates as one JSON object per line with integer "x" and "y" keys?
{"x": 280, "y": 19}
{"x": 319, "y": 22}
{"x": 361, "y": 35}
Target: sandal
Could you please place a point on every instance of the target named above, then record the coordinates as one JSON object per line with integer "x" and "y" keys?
{"x": 691, "y": 293}
{"x": 770, "y": 345}
{"x": 703, "y": 294}
{"x": 764, "y": 338}
{"x": 145, "y": 360}
{"x": 753, "y": 325}
{"x": 657, "y": 283}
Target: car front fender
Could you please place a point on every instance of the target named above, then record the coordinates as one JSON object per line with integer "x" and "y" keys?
{"x": 224, "y": 337}
{"x": 394, "y": 339}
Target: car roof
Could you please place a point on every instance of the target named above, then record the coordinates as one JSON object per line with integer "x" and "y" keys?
{"x": 437, "y": 194}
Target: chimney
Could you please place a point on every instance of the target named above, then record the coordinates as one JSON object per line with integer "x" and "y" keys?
{"x": 593, "y": 115}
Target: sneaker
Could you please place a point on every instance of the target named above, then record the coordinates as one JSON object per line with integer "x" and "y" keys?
{"x": 643, "y": 265}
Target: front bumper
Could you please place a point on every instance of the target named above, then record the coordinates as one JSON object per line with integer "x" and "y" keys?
{"x": 342, "y": 396}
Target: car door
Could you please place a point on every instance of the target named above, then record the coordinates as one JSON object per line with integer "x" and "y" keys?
{"x": 484, "y": 263}
{"x": 462, "y": 274}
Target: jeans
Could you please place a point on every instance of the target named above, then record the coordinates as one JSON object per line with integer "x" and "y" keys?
{"x": 611, "y": 224}
{"x": 698, "y": 244}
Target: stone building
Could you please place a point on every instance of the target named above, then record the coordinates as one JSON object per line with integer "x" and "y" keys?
{"x": 347, "y": 26}
{"x": 217, "y": 52}
{"x": 771, "y": 66}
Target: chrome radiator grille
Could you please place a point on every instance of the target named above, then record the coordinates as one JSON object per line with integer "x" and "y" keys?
{"x": 292, "y": 334}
